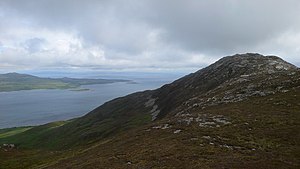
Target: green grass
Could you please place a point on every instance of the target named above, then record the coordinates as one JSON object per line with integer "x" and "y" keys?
{"x": 34, "y": 85}
{"x": 12, "y": 131}
{"x": 273, "y": 136}
{"x": 28, "y": 137}
{"x": 77, "y": 132}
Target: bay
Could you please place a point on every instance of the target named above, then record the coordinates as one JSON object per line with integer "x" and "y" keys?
{"x": 35, "y": 107}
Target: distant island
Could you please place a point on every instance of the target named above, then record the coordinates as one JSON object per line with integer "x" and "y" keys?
{"x": 16, "y": 82}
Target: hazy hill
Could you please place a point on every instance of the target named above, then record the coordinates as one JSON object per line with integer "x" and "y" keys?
{"x": 16, "y": 81}
{"x": 241, "y": 112}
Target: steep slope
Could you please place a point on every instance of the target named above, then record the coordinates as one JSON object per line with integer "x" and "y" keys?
{"x": 110, "y": 118}
{"x": 258, "y": 133}
{"x": 240, "y": 112}
{"x": 238, "y": 71}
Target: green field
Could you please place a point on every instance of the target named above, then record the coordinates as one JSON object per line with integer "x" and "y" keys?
{"x": 15, "y": 82}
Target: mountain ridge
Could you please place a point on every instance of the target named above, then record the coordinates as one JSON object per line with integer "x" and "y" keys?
{"x": 215, "y": 74}
{"x": 180, "y": 94}
{"x": 243, "y": 106}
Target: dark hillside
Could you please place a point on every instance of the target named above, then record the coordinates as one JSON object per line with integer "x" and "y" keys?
{"x": 241, "y": 112}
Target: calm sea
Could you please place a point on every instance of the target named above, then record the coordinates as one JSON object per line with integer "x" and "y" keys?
{"x": 34, "y": 107}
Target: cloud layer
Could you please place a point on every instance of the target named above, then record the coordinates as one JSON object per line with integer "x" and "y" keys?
{"x": 139, "y": 34}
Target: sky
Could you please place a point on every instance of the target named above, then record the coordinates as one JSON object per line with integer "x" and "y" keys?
{"x": 141, "y": 35}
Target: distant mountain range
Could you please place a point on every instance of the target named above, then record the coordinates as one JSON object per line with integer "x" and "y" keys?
{"x": 16, "y": 81}
{"x": 241, "y": 112}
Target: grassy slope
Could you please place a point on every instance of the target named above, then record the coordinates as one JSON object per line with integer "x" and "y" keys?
{"x": 12, "y": 131}
{"x": 269, "y": 141}
{"x": 272, "y": 142}
{"x": 45, "y": 144}
{"x": 111, "y": 118}
{"x": 28, "y": 136}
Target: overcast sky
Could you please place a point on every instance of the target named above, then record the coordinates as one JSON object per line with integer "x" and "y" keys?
{"x": 143, "y": 34}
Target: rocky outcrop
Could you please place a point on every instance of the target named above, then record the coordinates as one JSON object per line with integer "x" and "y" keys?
{"x": 230, "y": 79}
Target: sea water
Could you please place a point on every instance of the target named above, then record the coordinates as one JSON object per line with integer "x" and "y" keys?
{"x": 35, "y": 107}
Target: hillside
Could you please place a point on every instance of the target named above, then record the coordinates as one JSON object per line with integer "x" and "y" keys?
{"x": 240, "y": 112}
{"x": 16, "y": 81}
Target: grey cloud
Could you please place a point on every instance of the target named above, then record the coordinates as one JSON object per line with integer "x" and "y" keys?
{"x": 154, "y": 33}
{"x": 225, "y": 26}
{"x": 34, "y": 45}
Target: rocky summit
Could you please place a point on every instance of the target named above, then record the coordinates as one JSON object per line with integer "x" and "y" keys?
{"x": 231, "y": 79}
{"x": 243, "y": 111}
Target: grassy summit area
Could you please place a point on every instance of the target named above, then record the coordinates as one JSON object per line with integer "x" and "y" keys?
{"x": 15, "y": 82}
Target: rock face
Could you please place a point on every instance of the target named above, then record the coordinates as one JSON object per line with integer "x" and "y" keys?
{"x": 250, "y": 63}
{"x": 231, "y": 79}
